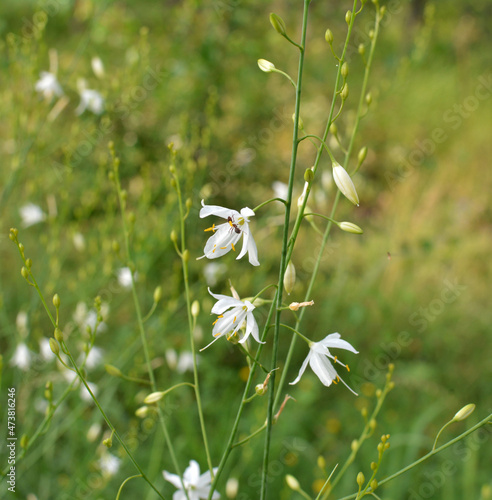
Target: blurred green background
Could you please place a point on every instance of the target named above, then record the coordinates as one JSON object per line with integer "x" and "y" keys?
{"x": 413, "y": 289}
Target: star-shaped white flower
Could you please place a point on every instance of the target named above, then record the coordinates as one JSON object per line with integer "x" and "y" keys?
{"x": 318, "y": 360}
{"x": 233, "y": 313}
{"x": 92, "y": 100}
{"x": 228, "y": 234}
{"x": 48, "y": 86}
{"x": 196, "y": 486}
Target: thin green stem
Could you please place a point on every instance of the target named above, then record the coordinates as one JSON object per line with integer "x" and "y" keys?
{"x": 184, "y": 259}
{"x": 267, "y": 202}
{"x": 483, "y": 422}
{"x": 285, "y": 244}
{"x": 120, "y": 489}
{"x": 440, "y": 432}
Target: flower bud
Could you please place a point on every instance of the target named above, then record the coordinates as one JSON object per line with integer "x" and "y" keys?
{"x": 58, "y": 335}
{"x": 348, "y": 16}
{"x": 56, "y": 300}
{"x": 265, "y": 65}
{"x": 333, "y": 129}
{"x": 232, "y": 487}
{"x": 55, "y": 348}
{"x": 29, "y": 263}
{"x": 374, "y": 466}
{"x": 360, "y": 479}
{"x": 464, "y": 413}
{"x": 142, "y": 412}
{"x": 345, "y": 92}
{"x": 25, "y": 272}
{"x": 14, "y": 232}
{"x": 292, "y": 482}
{"x": 309, "y": 175}
{"x": 174, "y": 236}
{"x": 349, "y": 227}
{"x": 374, "y": 484}
{"x": 278, "y": 23}
{"x": 362, "y": 155}
{"x": 329, "y": 36}
{"x": 345, "y": 69}
{"x": 289, "y": 277}
{"x": 354, "y": 445}
{"x": 158, "y": 294}
{"x": 186, "y": 255}
{"x": 344, "y": 183}
{"x": 321, "y": 462}
{"x": 24, "y": 441}
{"x": 154, "y": 397}
{"x": 97, "y": 67}
{"x": 112, "y": 370}
{"x": 361, "y": 49}
{"x": 108, "y": 442}
{"x": 195, "y": 308}
{"x": 260, "y": 389}
{"x": 368, "y": 98}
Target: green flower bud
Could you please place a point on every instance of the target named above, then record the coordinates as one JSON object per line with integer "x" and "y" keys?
{"x": 58, "y": 335}
{"x": 329, "y": 36}
{"x": 345, "y": 70}
{"x": 55, "y": 348}
{"x": 56, "y": 300}
{"x": 278, "y": 24}
{"x": 345, "y": 92}
{"x": 360, "y": 479}
{"x": 292, "y": 482}
{"x": 186, "y": 255}
{"x": 333, "y": 129}
{"x": 154, "y": 397}
{"x": 361, "y": 49}
{"x": 108, "y": 442}
{"x": 174, "y": 236}
{"x": 348, "y": 16}
{"x": 362, "y": 155}
{"x": 374, "y": 466}
{"x": 349, "y": 227}
{"x": 189, "y": 203}
{"x": 29, "y": 263}
{"x": 344, "y": 183}
{"x": 354, "y": 445}
{"x": 309, "y": 175}
{"x": 368, "y": 98}
{"x": 464, "y": 413}
{"x": 371, "y": 34}
{"x": 142, "y": 412}
{"x": 260, "y": 389}
{"x": 289, "y": 277}
{"x": 195, "y": 308}
{"x": 25, "y": 272}
{"x": 158, "y": 294}
{"x": 374, "y": 484}
{"x": 112, "y": 370}
{"x": 266, "y": 66}
{"x": 24, "y": 441}
{"x": 13, "y": 233}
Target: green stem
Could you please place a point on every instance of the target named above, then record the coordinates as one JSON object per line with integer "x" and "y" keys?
{"x": 184, "y": 259}
{"x": 483, "y": 422}
{"x": 267, "y": 202}
{"x": 285, "y": 243}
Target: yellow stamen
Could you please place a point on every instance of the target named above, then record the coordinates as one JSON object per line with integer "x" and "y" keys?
{"x": 217, "y": 334}
{"x": 214, "y": 248}
{"x": 347, "y": 366}
{"x": 211, "y": 228}
{"x": 232, "y": 245}
{"x": 218, "y": 317}
{"x": 335, "y": 359}
{"x": 335, "y": 382}
{"x": 234, "y": 319}
{"x": 223, "y": 248}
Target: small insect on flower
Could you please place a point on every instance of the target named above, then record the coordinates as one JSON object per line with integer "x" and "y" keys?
{"x": 225, "y": 236}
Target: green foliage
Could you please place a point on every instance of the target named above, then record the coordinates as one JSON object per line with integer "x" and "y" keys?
{"x": 412, "y": 290}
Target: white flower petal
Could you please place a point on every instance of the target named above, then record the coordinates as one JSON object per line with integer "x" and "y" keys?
{"x": 303, "y": 368}
{"x": 207, "y": 210}
{"x": 174, "y": 479}
{"x": 322, "y": 367}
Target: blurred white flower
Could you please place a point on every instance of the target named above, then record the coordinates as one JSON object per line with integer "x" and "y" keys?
{"x": 93, "y": 432}
{"x": 84, "y": 393}
{"x": 45, "y": 350}
{"x": 21, "y": 357}
{"x": 318, "y": 360}
{"x": 225, "y": 236}
{"x": 48, "y": 86}
{"x": 232, "y": 313}
{"x": 85, "y": 318}
{"x": 185, "y": 362}
{"x": 109, "y": 464}
{"x": 94, "y": 358}
{"x": 90, "y": 99}
{"x": 125, "y": 277}
{"x": 280, "y": 189}
{"x": 21, "y": 324}
{"x": 195, "y": 485}
{"x": 97, "y": 67}
{"x": 213, "y": 271}
{"x": 79, "y": 241}
{"x": 31, "y": 214}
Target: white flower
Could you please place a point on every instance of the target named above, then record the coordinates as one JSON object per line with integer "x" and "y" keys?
{"x": 48, "y": 85}
{"x": 196, "y": 486}
{"x": 31, "y": 214}
{"x": 228, "y": 234}
{"x": 344, "y": 183}
{"x": 232, "y": 314}
{"x": 22, "y": 324}
{"x": 97, "y": 67}
{"x": 21, "y": 357}
{"x": 321, "y": 366}
{"x": 109, "y": 464}
{"x": 125, "y": 277}
{"x": 265, "y": 65}
{"x": 45, "y": 350}
{"x": 94, "y": 358}
{"x": 85, "y": 394}
{"x": 92, "y": 100}
{"x": 213, "y": 272}
{"x": 280, "y": 189}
